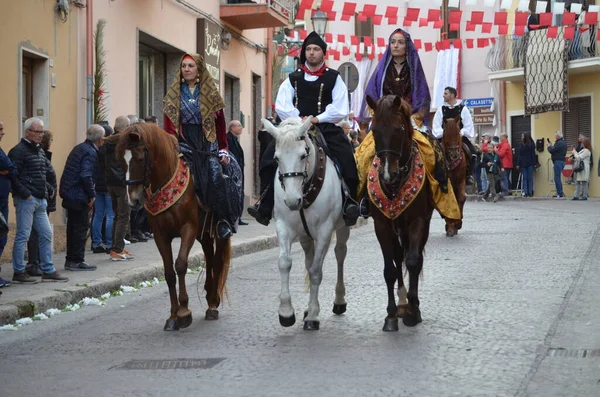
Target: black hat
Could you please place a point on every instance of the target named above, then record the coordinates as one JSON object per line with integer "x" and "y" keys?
{"x": 315, "y": 39}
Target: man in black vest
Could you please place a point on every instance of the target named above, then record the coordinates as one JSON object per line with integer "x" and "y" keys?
{"x": 318, "y": 91}
{"x": 453, "y": 108}
{"x": 235, "y": 149}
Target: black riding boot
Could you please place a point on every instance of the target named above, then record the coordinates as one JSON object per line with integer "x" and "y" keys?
{"x": 223, "y": 229}
{"x": 364, "y": 206}
{"x": 469, "y": 157}
{"x": 262, "y": 211}
{"x": 351, "y": 211}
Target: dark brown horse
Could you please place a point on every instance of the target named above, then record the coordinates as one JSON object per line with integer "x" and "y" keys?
{"x": 457, "y": 165}
{"x": 151, "y": 160}
{"x": 402, "y": 208}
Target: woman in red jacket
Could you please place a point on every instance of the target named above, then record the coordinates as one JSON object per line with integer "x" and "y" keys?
{"x": 193, "y": 110}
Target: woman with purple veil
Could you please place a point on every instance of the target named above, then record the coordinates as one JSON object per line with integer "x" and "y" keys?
{"x": 400, "y": 72}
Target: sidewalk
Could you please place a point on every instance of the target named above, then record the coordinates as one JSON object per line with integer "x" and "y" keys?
{"x": 20, "y": 300}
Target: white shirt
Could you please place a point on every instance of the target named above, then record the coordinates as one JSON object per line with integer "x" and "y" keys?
{"x": 468, "y": 130}
{"x": 335, "y": 112}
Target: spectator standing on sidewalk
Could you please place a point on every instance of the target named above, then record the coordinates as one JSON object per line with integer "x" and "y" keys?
{"x": 30, "y": 193}
{"x": 8, "y": 171}
{"x": 115, "y": 182}
{"x": 525, "y": 163}
{"x": 33, "y": 245}
{"x": 78, "y": 193}
{"x": 235, "y": 149}
{"x": 583, "y": 177}
{"x": 558, "y": 151}
{"x": 103, "y": 212}
{"x": 506, "y": 157}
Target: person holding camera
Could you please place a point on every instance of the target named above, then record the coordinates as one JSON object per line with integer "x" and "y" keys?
{"x": 582, "y": 177}
{"x": 558, "y": 151}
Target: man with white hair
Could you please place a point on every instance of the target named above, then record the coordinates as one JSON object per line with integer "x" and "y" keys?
{"x": 558, "y": 151}
{"x": 77, "y": 189}
{"x": 30, "y": 193}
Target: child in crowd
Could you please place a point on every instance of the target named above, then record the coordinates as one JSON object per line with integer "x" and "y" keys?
{"x": 491, "y": 163}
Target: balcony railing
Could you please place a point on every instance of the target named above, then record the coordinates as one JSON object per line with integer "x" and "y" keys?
{"x": 509, "y": 51}
{"x": 253, "y": 14}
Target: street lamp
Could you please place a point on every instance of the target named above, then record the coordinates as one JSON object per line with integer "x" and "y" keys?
{"x": 319, "y": 22}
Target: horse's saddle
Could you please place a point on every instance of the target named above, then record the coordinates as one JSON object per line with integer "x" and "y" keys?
{"x": 313, "y": 186}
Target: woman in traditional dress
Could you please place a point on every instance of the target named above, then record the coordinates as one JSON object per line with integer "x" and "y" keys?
{"x": 193, "y": 110}
{"x": 400, "y": 72}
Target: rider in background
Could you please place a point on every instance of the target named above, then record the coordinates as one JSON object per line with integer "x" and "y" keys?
{"x": 453, "y": 108}
{"x": 318, "y": 91}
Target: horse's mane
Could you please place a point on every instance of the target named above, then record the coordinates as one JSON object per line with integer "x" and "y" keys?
{"x": 288, "y": 132}
{"x": 159, "y": 142}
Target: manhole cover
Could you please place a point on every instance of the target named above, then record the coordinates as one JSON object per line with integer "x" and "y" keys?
{"x": 179, "y": 363}
{"x": 581, "y": 353}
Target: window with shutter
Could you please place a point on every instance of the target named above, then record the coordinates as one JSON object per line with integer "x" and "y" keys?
{"x": 363, "y": 29}
{"x": 578, "y": 120}
{"x": 445, "y": 32}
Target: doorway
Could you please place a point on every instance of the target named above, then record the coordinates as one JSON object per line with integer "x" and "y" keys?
{"x": 518, "y": 125}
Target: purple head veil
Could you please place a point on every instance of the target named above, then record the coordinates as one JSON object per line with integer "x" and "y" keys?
{"x": 420, "y": 97}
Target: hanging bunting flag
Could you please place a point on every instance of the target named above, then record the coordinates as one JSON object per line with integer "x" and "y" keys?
{"x": 369, "y": 10}
{"x": 326, "y": 6}
{"x": 407, "y": 22}
{"x": 591, "y": 18}
{"x": 381, "y": 42}
{"x": 500, "y": 18}
{"x": 568, "y": 18}
{"x": 552, "y": 32}
{"x": 476, "y": 17}
{"x": 454, "y": 27}
{"x": 502, "y": 30}
{"x": 438, "y": 24}
{"x": 354, "y": 40}
{"x": 519, "y": 31}
{"x": 362, "y": 17}
{"x": 455, "y": 16}
{"x": 470, "y": 27}
{"x": 391, "y": 12}
{"x": 486, "y": 27}
{"x": 521, "y": 18}
{"x": 433, "y": 15}
{"x": 328, "y": 38}
{"x": 569, "y": 33}
{"x": 345, "y": 51}
{"x": 303, "y": 34}
{"x": 546, "y": 19}
{"x": 428, "y": 47}
{"x": 412, "y": 14}
{"x": 377, "y": 19}
{"x": 348, "y": 11}
{"x": 445, "y": 45}
{"x": 358, "y": 56}
{"x": 457, "y": 43}
{"x": 393, "y": 20}
{"x": 423, "y": 22}
{"x": 367, "y": 41}
{"x": 417, "y": 43}
{"x": 469, "y": 43}
{"x": 482, "y": 42}
{"x": 341, "y": 38}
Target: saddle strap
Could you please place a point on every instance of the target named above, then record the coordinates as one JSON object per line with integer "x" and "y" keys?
{"x": 304, "y": 224}
{"x": 313, "y": 187}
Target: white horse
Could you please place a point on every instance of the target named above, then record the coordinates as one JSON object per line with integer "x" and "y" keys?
{"x": 297, "y": 159}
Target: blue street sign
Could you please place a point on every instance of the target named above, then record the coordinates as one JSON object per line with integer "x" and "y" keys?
{"x": 478, "y": 102}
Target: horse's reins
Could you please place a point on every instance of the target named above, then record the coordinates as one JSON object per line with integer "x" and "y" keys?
{"x": 304, "y": 175}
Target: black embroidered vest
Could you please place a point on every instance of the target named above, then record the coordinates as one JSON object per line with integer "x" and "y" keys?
{"x": 451, "y": 113}
{"x": 312, "y": 97}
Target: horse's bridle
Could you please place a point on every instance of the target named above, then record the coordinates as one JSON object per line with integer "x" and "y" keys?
{"x": 398, "y": 154}
{"x": 145, "y": 180}
{"x": 303, "y": 174}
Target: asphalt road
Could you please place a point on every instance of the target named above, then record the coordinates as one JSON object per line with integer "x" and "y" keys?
{"x": 510, "y": 308}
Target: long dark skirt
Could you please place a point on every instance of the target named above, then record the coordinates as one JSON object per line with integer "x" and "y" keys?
{"x": 218, "y": 186}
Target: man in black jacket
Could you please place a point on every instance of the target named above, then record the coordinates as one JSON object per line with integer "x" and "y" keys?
{"x": 115, "y": 181}
{"x": 235, "y": 149}
{"x": 78, "y": 193}
{"x": 30, "y": 192}
{"x": 559, "y": 154}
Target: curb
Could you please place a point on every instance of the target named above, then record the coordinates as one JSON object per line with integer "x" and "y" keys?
{"x": 61, "y": 297}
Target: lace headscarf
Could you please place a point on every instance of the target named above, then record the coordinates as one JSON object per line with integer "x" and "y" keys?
{"x": 210, "y": 99}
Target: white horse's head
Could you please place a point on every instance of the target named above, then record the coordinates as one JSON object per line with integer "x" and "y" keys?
{"x": 292, "y": 150}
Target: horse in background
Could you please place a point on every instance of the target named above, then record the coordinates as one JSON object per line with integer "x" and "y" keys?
{"x": 156, "y": 174}
{"x": 457, "y": 166}
{"x": 401, "y": 205}
{"x": 308, "y": 207}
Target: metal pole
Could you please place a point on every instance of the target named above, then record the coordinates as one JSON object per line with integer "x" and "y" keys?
{"x": 90, "y": 61}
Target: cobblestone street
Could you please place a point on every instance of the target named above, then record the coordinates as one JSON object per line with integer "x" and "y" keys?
{"x": 510, "y": 308}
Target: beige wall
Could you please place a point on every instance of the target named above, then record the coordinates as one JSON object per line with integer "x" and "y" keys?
{"x": 34, "y": 25}
{"x": 546, "y": 124}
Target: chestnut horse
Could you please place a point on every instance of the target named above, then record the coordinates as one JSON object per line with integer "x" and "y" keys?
{"x": 457, "y": 165}
{"x": 396, "y": 168}
{"x": 151, "y": 159}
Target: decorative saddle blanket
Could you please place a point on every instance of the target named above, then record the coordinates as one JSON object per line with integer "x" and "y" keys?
{"x": 393, "y": 207}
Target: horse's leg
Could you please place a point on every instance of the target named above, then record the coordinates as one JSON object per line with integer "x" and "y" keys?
{"x": 462, "y": 197}
{"x": 386, "y": 238}
{"x": 419, "y": 232}
{"x": 399, "y": 259}
{"x": 341, "y": 249}
{"x": 220, "y": 264}
{"x": 208, "y": 247}
{"x": 188, "y": 236}
{"x": 163, "y": 244}
{"x": 315, "y": 273}
{"x": 287, "y": 318}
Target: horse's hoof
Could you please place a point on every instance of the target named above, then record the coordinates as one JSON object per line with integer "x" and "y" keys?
{"x": 311, "y": 325}
{"x": 287, "y": 321}
{"x": 305, "y": 315}
{"x": 211, "y": 314}
{"x": 390, "y": 325}
{"x": 449, "y": 234}
{"x": 410, "y": 320}
{"x": 339, "y": 309}
{"x": 171, "y": 325}
{"x": 402, "y": 311}
{"x": 184, "y": 322}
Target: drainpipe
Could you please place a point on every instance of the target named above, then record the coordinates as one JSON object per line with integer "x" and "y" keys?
{"x": 503, "y": 107}
{"x": 89, "y": 61}
{"x": 269, "y": 74}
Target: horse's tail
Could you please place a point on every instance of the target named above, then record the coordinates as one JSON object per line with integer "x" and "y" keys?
{"x": 223, "y": 256}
